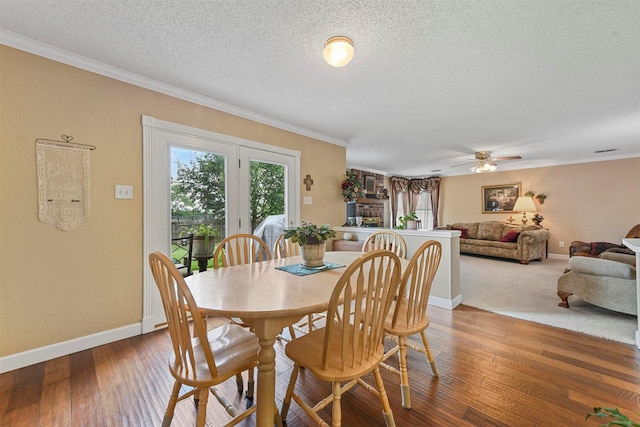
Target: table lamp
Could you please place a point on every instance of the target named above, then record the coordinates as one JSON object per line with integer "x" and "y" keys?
{"x": 524, "y": 204}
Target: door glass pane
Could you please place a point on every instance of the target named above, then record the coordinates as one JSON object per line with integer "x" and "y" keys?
{"x": 197, "y": 192}
{"x": 267, "y": 195}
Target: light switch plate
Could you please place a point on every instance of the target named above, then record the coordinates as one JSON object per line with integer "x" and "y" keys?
{"x": 306, "y": 200}
{"x": 124, "y": 191}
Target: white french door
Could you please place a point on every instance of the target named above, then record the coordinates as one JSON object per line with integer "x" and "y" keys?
{"x": 288, "y": 164}
{"x": 159, "y": 138}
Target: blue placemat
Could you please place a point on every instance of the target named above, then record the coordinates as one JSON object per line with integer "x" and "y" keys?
{"x": 300, "y": 270}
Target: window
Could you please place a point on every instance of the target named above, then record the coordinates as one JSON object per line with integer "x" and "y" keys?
{"x": 423, "y": 211}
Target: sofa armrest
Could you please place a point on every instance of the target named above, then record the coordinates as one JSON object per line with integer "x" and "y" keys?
{"x": 602, "y": 267}
{"x": 533, "y": 236}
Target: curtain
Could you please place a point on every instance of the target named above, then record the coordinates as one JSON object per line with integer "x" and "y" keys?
{"x": 399, "y": 185}
{"x": 410, "y": 190}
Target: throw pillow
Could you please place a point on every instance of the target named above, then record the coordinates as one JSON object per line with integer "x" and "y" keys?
{"x": 463, "y": 232}
{"x": 511, "y": 236}
{"x": 621, "y": 251}
{"x": 472, "y": 228}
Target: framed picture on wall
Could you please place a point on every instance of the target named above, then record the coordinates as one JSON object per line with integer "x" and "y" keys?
{"x": 499, "y": 198}
{"x": 370, "y": 184}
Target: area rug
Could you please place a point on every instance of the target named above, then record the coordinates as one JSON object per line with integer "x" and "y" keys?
{"x": 529, "y": 292}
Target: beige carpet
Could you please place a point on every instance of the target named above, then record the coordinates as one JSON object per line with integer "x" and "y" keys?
{"x": 529, "y": 292}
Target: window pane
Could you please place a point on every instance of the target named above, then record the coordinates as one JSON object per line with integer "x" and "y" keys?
{"x": 197, "y": 190}
{"x": 267, "y": 191}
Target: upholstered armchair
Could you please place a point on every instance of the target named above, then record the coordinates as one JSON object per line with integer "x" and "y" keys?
{"x": 594, "y": 249}
{"x": 608, "y": 281}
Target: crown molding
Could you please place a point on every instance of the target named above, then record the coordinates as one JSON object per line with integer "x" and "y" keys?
{"x": 44, "y": 50}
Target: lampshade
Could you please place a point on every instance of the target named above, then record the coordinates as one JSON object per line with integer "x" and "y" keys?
{"x": 338, "y": 51}
{"x": 524, "y": 204}
{"x": 482, "y": 166}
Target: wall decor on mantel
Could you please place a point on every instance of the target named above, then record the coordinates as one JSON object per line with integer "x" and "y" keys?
{"x": 63, "y": 169}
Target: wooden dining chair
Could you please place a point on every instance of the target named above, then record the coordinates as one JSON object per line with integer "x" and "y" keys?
{"x": 284, "y": 248}
{"x": 200, "y": 359}
{"x": 408, "y": 315}
{"x": 351, "y": 347}
{"x": 387, "y": 239}
{"x": 241, "y": 249}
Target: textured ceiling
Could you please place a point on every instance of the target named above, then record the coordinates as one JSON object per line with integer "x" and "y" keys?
{"x": 431, "y": 82}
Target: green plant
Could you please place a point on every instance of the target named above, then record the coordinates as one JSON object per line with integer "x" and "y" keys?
{"x": 404, "y": 219}
{"x": 309, "y": 233}
{"x": 620, "y": 420}
{"x": 541, "y": 198}
{"x": 529, "y": 194}
{"x": 201, "y": 230}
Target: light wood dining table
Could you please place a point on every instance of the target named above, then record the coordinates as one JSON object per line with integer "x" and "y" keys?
{"x": 270, "y": 300}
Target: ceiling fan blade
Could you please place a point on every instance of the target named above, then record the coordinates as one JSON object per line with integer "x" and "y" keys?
{"x": 463, "y": 164}
{"x": 498, "y": 159}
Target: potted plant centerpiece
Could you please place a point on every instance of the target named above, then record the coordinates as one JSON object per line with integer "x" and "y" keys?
{"x": 204, "y": 239}
{"x": 312, "y": 240}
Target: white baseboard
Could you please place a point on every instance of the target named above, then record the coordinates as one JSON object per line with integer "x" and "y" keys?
{"x": 449, "y": 304}
{"x": 37, "y": 355}
{"x": 559, "y": 256}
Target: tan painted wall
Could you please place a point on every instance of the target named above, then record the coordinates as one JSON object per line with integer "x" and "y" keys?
{"x": 56, "y": 285}
{"x": 597, "y": 201}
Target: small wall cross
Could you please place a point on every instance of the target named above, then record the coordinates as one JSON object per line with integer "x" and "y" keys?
{"x": 308, "y": 181}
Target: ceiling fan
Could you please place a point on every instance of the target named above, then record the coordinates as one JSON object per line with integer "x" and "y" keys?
{"x": 485, "y": 163}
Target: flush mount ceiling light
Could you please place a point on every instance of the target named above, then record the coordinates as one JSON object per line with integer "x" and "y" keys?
{"x": 338, "y": 51}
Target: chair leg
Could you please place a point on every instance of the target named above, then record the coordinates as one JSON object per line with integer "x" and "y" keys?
{"x": 202, "y": 407}
{"x": 310, "y": 321}
{"x": 427, "y": 351}
{"x": 336, "y": 409}
{"x": 250, "y": 384}
{"x": 277, "y": 419}
{"x": 564, "y": 296}
{"x": 239, "y": 384}
{"x": 384, "y": 399}
{"x": 173, "y": 399}
{"x": 404, "y": 376}
{"x": 287, "y": 398}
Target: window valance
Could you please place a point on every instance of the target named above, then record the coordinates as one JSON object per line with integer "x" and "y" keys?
{"x": 411, "y": 189}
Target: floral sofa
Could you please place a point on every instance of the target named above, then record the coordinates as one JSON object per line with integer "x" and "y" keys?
{"x": 498, "y": 239}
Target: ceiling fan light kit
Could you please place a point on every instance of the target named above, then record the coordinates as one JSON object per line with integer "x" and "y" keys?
{"x": 482, "y": 166}
{"x": 485, "y": 163}
{"x": 338, "y": 51}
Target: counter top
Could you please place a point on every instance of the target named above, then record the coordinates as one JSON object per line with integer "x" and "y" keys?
{"x": 369, "y": 230}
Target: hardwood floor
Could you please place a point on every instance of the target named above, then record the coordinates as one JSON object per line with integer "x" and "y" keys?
{"x": 494, "y": 371}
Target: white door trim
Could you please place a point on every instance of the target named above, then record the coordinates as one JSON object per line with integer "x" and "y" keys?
{"x": 156, "y": 202}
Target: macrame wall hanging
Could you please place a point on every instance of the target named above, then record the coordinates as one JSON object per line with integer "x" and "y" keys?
{"x": 63, "y": 182}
